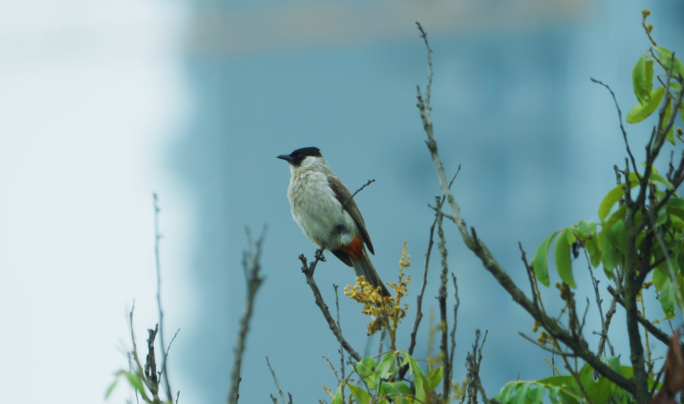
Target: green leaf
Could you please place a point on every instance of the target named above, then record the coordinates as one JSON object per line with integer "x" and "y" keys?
{"x": 360, "y": 395}
{"x": 365, "y": 367}
{"x": 614, "y": 218}
{"x": 592, "y": 228}
{"x": 617, "y": 237}
{"x": 626, "y": 371}
{"x": 586, "y": 376}
{"x": 553, "y": 392}
{"x": 507, "y": 390}
{"x": 400, "y": 387}
{"x": 659, "y": 178}
{"x": 435, "y": 376}
{"x": 539, "y": 263}
{"x": 568, "y": 398}
{"x": 612, "y": 361}
{"x": 667, "y": 298}
{"x": 136, "y": 382}
{"x": 675, "y": 206}
{"x": 386, "y": 366}
{"x": 662, "y": 217}
{"x": 520, "y": 395}
{"x": 669, "y": 136}
{"x": 614, "y": 195}
{"x": 396, "y": 391}
{"x": 420, "y": 381}
{"x": 660, "y": 275}
{"x": 610, "y": 256}
{"x": 599, "y": 392}
{"x": 584, "y": 231}
{"x": 642, "y": 111}
{"x": 563, "y": 259}
{"x": 563, "y": 387}
{"x": 592, "y": 247}
{"x": 536, "y": 393}
{"x": 338, "y": 394}
{"x": 665, "y": 58}
{"x": 642, "y": 78}
{"x": 110, "y": 389}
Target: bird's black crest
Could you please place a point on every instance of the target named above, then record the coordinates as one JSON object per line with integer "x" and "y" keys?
{"x": 296, "y": 157}
{"x": 307, "y": 151}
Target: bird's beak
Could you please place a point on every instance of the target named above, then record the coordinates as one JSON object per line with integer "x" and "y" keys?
{"x": 285, "y": 157}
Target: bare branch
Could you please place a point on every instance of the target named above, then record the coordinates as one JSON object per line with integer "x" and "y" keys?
{"x": 441, "y": 298}
{"x": 473, "y": 362}
{"x": 339, "y": 327}
{"x": 605, "y": 321}
{"x": 553, "y": 351}
{"x": 251, "y": 266}
{"x": 624, "y": 133}
{"x": 150, "y": 378}
{"x": 419, "y": 299}
{"x": 357, "y": 191}
{"x": 453, "y": 328}
{"x": 275, "y": 380}
{"x": 530, "y": 275}
{"x": 172, "y": 339}
{"x": 655, "y": 331}
{"x": 308, "y": 271}
{"x": 157, "y": 238}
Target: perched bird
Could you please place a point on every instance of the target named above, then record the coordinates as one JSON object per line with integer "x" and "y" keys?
{"x": 325, "y": 211}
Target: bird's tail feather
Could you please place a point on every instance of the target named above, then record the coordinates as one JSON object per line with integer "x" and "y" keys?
{"x": 364, "y": 267}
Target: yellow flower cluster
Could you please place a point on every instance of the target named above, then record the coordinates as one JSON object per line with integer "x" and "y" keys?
{"x": 386, "y": 311}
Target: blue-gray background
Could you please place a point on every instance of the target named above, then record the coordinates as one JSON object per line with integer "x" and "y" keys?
{"x": 512, "y": 104}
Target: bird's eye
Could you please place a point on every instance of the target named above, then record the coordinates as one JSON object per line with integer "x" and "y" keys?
{"x": 300, "y": 156}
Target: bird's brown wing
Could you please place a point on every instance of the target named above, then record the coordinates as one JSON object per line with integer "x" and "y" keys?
{"x": 342, "y": 194}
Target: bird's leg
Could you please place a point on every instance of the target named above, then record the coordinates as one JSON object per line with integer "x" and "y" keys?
{"x": 319, "y": 255}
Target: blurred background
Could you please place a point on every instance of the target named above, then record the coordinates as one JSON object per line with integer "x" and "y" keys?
{"x": 105, "y": 102}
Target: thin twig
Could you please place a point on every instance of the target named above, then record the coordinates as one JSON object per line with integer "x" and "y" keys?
{"x": 275, "y": 380}
{"x": 655, "y": 331}
{"x": 453, "y": 328}
{"x": 308, "y": 271}
{"x": 172, "y": 339}
{"x": 622, "y": 128}
{"x": 139, "y": 368}
{"x": 553, "y": 351}
{"x": 339, "y": 327}
{"x": 157, "y": 238}
{"x": 473, "y": 362}
{"x": 645, "y": 14}
{"x": 419, "y": 299}
{"x": 530, "y": 275}
{"x": 337, "y": 376}
{"x": 381, "y": 348}
{"x": 251, "y": 266}
{"x": 442, "y": 298}
{"x": 605, "y": 321}
{"x": 357, "y": 191}
{"x": 150, "y": 379}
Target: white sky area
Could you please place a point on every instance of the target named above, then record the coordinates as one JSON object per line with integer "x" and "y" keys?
{"x": 90, "y": 94}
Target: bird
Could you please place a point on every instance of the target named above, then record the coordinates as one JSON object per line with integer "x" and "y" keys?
{"x": 324, "y": 209}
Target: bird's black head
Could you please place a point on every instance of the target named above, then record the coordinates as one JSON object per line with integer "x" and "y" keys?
{"x": 296, "y": 157}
